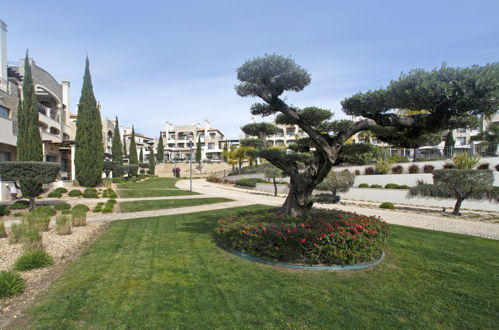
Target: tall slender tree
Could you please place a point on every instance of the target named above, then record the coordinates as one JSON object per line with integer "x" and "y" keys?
{"x": 89, "y": 156}
{"x": 141, "y": 156}
{"x": 29, "y": 141}
{"x": 152, "y": 162}
{"x": 160, "y": 155}
{"x": 117, "y": 148}
{"x": 132, "y": 158}
{"x": 198, "y": 151}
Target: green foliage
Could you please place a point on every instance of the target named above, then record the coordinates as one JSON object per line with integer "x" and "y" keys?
{"x": 465, "y": 161}
{"x": 10, "y": 283}
{"x": 363, "y": 185}
{"x": 62, "y": 206}
{"x": 312, "y": 116}
{"x": 141, "y": 155}
{"x": 3, "y": 233}
{"x": 109, "y": 206}
{"x": 19, "y": 205}
{"x": 358, "y": 153}
{"x": 31, "y": 237}
{"x": 75, "y": 193}
{"x": 98, "y": 207}
{"x": 4, "y": 210}
{"x": 109, "y": 193}
{"x": 62, "y": 190}
{"x": 391, "y": 186}
{"x": 45, "y": 210}
{"x": 326, "y": 198}
{"x": 396, "y": 158}
{"x": 89, "y": 154}
{"x": 90, "y": 193}
{"x": 133, "y": 160}
{"x": 250, "y": 182}
{"x": 80, "y": 207}
{"x": 152, "y": 162}
{"x": 63, "y": 224}
{"x": 337, "y": 182}
{"x": 54, "y": 194}
{"x": 116, "y": 147}
{"x": 31, "y": 175}
{"x": 198, "y": 155}
{"x": 32, "y": 260}
{"x": 160, "y": 155}
{"x": 376, "y": 186}
{"x": 29, "y": 141}
{"x": 449, "y": 143}
{"x": 387, "y": 205}
{"x": 272, "y": 172}
{"x": 324, "y": 237}
{"x": 78, "y": 217}
{"x": 109, "y": 167}
{"x": 383, "y": 166}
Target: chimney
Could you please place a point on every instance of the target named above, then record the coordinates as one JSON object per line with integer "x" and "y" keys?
{"x": 3, "y": 50}
{"x": 65, "y": 97}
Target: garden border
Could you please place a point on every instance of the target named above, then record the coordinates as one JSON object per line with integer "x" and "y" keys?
{"x": 249, "y": 257}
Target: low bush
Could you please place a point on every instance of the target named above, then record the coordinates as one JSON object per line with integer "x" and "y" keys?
{"x": 63, "y": 225}
{"x": 397, "y": 169}
{"x": 324, "y": 237}
{"x": 404, "y": 186}
{"x": 39, "y": 220}
{"x": 387, "y": 205}
{"x": 108, "y": 207}
{"x": 369, "y": 171}
{"x": 109, "y": 193}
{"x": 413, "y": 169}
{"x": 66, "y": 212}
{"x": 62, "y": 206}
{"x": 363, "y": 185}
{"x": 382, "y": 166}
{"x": 428, "y": 168}
{"x": 54, "y": 194}
{"x": 78, "y": 217}
{"x": 396, "y": 158}
{"x": 4, "y": 210}
{"x": 32, "y": 260}
{"x": 81, "y": 207}
{"x": 3, "y": 233}
{"x": 31, "y": 238}
{"x": 62, "y": 190}
{"x": 448, "y": 166}
{"x": 45, "y": 210}
{"x": 16, "y": 232}
{"x": 376, "y": 186}
{"x": 20, "y": 205}
{"x": 98, "y": 207}
{"x": 357, "y": 172}
{"x": 75, "y": 193}
{"x": 119, "y": 180}
{"x": 391, "y": 186}
{"x": 90, "y": 193}
{"x": 483, "y": 166}
{"x": 250, "y": 182}
{"x": 10, "y": 283}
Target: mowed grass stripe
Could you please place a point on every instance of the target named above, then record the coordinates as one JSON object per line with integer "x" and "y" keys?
{"x": 167, "y": 272}
{"x": 153, "y": 193}
{"x": 156, "y": 183}
{"x": 146, "y": 205}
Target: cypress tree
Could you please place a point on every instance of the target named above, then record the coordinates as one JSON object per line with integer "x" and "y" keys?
{"x": 89, "y": 156}
{"x": 161, "y": 149}
{"x": 152, "y": 163}
{"x": 449, "y": 144}
{"x": 141, "y": 156}
{"x": 198, "y": 151}
{"x": 133, "y": 149}
{"x": 116, "y": 148}
{"x": 29, "y": 141}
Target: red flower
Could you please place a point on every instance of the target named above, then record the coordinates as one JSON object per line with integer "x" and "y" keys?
{"x": 302, "y": 241}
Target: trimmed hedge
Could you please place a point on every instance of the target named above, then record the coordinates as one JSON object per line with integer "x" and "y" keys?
{"x": 387, "y": 205}
{"x": 363, "y": 185}
{"x": 20, "y": 205}
{"x": 81, "y": 207}
{"x": 75, "y": 193}
{"x": 62, "y": 206}
{"x": 54, "y": 194}
{"x": 250, "y": 182}
{"x": 324, "y": 237}
{"x": 62, "y": 190}
{"x": 376, "y": 186}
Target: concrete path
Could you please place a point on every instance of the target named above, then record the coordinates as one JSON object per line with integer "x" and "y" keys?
{"x": 451, "y": 225}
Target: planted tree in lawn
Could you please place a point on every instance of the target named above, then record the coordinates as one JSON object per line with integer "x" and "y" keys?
{"x": 335, "y": 182}
{"x": 29, "y": 142}
{"x": 460, "y": 184}
{"x": 448, "y": 94}
{"x": 152, "y": 162}
{"x": 198, "y": 155}
{"x": 110, "y": 167}
{"x": 31, "y": 175}
{"x": 117, "y": 150}
{"x": 273, "y": 173}
{"x": 89, "y": 153}
{"x": 141, "y": 156}
{"x": 133, "y": 159}
{"x": 160, "y": 156}
{"x": 449, "y": 143}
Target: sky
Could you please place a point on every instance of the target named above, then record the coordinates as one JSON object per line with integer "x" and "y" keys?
{"x": 176, "y": 61}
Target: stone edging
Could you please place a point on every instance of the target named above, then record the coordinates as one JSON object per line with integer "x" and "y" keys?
{"x": 294, "y": 266}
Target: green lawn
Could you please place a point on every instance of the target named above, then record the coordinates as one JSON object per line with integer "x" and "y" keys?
{"x": 151, "y": 183}
{"x": 167, "y": 272}
{"x": 136, "y": 206}
{"x": 153, "y": 193}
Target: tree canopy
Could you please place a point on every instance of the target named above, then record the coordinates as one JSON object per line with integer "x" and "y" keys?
{"x": 450, "y": 97}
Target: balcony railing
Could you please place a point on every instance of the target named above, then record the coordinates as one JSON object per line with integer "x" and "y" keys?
{"x": 4, "y": 85}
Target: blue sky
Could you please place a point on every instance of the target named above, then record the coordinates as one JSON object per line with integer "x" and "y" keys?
{"x": 157, "y": 61}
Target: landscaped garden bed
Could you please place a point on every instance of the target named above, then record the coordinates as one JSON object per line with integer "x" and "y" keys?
{"x": 322, "y": 238}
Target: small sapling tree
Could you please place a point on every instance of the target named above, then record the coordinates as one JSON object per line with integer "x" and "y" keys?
{"x": 31, "y": 176}
{"x": 110, "y": 167}
{"x": 335, "y": 182}
{"x": 273, "y": 173}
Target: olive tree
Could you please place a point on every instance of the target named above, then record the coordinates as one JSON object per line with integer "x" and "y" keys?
{"x": 448, "y": 95}
{"x": 273, "y": 173}
{"x": 459, "y": 184}
{"x": 335, "y": 182}
{"x": 31, "y": 176}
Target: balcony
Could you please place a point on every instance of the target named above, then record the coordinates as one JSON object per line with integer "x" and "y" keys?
{"x": 4, "y": 86}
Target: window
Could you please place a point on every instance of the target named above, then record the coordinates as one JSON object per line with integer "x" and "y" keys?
{"x": 290, "y": 132}
{"x": 461, "y": 140}
{"x": 461, "y": 130}
{"x": 50, "y": 158}
{"x": 213, "y": 135}
{"x": 211, "y": 145}
{"x": 4, "y": 112}
{"x": 280, "y": 133}
{"x": 5, "y": 156}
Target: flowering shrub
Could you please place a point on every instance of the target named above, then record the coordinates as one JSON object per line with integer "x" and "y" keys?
{"x": 325, "y": 237}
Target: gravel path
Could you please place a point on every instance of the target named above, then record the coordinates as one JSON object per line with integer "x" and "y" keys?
{"x": 451, "y": 225}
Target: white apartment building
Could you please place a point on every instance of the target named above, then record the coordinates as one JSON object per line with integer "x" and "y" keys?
{"x": 286, "y": 135}
{"x": 141, "y": 141}
{"x": 178, "y": 139}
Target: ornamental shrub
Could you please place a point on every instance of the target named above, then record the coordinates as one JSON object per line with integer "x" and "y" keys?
{"x": 16, "y": 231}
{"x": 62, "y": 190}
{"x": 391, "y": 186}
{"x": 357, "y": 172}
{"x": 448, "y": 166}
{"x": 62, "y": 206}
{"x": 31, "y": 238}
{"x": 78, "y": 217}
{"x": 54, "y": 194}
{"x": 63, "y": 225}
{"x": 20, "y": 205}
{"x": 363, "y": 185}
{"x": 75, "y": 193}
{"x": 369, "y": 171}
{"x": 250, "y": 182}
{"x": 4, "y": 210}
{"x": 109, "y": 193}
{"x": 324, "y": 237}
{"x": 376, "y": 186}
{"x": 483, "y": 166}
{"x": 90, "y": 193}
{"x": 397, "y": 169}
{"x": 3, "y": 233}
{"x": 396, "y": 158}
{"x": 387, "y": 205}
{"x": 81, "y": 207}
{"x": 382, "y": 166}
{"x": 10, "y": 283}
{"x": 428, "y": 168}
{"x": 45, "y": 210}
{"x": 32, "y": 260}
{"x": 404, "y": 186}
{"x": 39, "y": 220}
{"x": 413, "y": 169}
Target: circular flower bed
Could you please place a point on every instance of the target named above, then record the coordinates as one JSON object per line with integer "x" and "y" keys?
{"x": 322, "y": 238}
